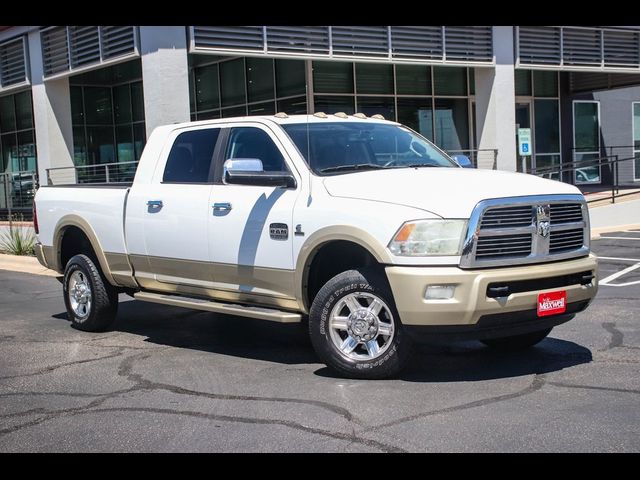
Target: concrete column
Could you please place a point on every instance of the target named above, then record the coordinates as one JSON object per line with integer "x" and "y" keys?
{"x": 495, "y": 104}
{"x": 51, "y": 114}
{"x": 165, "y": 75}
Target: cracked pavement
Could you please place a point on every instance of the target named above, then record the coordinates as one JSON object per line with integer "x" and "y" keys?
{"x": 169, "y": 379}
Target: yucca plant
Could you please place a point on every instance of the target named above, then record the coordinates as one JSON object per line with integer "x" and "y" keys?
{"x": 18, "y": 241}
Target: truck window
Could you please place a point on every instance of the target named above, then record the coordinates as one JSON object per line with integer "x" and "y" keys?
{"x": 191, "y": 156}
{"x": 251, "y": 142}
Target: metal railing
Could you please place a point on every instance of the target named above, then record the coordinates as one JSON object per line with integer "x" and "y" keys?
{"x": 17, "y": 190}
{"x": 483, "y": 157}
{"x": 117, "y": 172}
{"x": 605, "y": 164}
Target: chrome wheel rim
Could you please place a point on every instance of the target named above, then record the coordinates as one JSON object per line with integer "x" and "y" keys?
{"x": 79, "y": 293}
{"x": 361, "y": 326}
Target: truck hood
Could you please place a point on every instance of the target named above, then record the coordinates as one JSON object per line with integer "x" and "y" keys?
{"x": 447, "y": 192}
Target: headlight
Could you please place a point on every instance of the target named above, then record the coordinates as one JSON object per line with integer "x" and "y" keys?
{"x": 429, "y": 237}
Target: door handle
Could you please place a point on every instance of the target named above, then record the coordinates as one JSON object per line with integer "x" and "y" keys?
{"x": 154, "y": 204}
{"x": 222, "y": 207}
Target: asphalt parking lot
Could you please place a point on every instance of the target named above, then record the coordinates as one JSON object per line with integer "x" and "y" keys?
{"x": 169, "y": 379}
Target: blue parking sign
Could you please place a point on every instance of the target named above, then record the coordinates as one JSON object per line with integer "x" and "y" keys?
{"x": 525, "y": 147}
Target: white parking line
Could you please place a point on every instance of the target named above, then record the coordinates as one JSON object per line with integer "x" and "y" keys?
{"x": 610, "y": 278}
{"x": 618, "y": 258}
{"x": 621, "y": 238}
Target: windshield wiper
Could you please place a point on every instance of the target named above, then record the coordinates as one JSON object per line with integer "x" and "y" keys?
{"x": 358, "y": 166}
{"x": 419, "y": 165}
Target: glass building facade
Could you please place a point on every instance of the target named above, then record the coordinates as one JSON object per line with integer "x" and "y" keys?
{"x": 435, "y": 101}
{"x": 107, "y": 111}
{"x": 17, "y": 133}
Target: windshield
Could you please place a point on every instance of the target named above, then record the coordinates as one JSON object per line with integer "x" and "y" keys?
{"x": 336, "y": 147}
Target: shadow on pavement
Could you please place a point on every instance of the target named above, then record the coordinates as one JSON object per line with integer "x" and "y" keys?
{"x": 290, "y": 345}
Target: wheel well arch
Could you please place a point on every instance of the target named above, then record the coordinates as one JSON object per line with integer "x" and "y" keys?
{"x": 328, "y": 260}
{"x": 74, "y": 241}
{"x": 74, "y": 236}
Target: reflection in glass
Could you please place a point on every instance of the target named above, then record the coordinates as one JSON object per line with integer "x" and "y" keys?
{"x": 450, "y": 80}
{"x": 7, "y": 114}
{"x": 232, "y": 82}
{"x": 413, "y": 80}
{"x": 586, "y": 126}
{"x": 207, "y": 95}
{"x": 24, "y": 114}
{"x": 545, "y": 83}
{"x": 523, "y": 82}
{"x": 547, "y": 123}
{"x": 332, "y": 77}
{"x": 377, "y": 105}
{"x": 259, "y": 79}
{"x": 328, "y": 104}
{"x": 452, "y": 124}
{"x": 417, "y": 114}
{"x": 293, "y": 106}
{"x": 374, "y": 78}
{"x": 97, "y": 105}
{"x": 290, "y": 78}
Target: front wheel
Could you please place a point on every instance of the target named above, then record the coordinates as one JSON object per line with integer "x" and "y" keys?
{"x": 517, "y": 342}
{"x": 355, "y": 328}
{"x": 92, "y": 303}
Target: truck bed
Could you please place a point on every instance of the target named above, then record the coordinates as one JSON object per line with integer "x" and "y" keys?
{"x": 99, "y": 208}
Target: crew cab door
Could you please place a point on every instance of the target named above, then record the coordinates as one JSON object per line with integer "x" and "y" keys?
{"x": 173, "y": 210}
{"x": 250, "y": 226}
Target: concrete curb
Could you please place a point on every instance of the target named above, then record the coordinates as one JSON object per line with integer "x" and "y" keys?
{"x": 24, "y": 264}
{"x": 596, "y": 232}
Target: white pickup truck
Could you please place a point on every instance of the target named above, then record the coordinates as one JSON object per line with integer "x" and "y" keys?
{"x": 357, "y": 225}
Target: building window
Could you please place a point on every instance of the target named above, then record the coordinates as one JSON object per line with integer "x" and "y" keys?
{"x": 107, "y": 116}
{"x": 245, "y": 86}
{"x": 636, "y": 140}
{"x": 586, "y": 140}
{"x": 17, "y": 134}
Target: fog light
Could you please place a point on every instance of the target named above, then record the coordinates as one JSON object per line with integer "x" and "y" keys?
{"x": 440, "y": 292}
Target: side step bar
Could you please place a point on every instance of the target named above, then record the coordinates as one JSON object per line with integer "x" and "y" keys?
{"x": 217, "y": 307}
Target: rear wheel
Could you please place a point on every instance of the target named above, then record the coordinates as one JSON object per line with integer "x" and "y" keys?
{"x": 517, "y": 342}
{"x": 355, "y": 327}
{"x": 92, "y": 303}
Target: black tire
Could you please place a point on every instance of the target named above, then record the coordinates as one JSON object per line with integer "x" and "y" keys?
{"x": 104, "y": 297}
{"x": 517, "y": 342}
{"x": 391, "y": 360}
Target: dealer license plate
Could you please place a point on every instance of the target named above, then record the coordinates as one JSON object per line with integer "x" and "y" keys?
{"x": 552, "y": 303}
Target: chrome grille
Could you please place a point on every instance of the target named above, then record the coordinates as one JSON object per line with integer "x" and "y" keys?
{"x": 507, "y": 217}
{"x": 566, "y": 213}
{"x": 566, "y": 240}
{"x": 504, "y": 245}
{"x": 523, "y": 230}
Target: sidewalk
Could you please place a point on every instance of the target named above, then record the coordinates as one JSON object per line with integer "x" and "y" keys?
{"x": 24, "y": 264}
{"x": 615, "y": 216}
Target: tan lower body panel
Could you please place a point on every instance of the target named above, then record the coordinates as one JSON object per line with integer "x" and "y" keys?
{"x": 229, "y": 283}
{"x": 121, "y": 269}
{"x": 225, "y": 308}
{"x": 470, "y": 301}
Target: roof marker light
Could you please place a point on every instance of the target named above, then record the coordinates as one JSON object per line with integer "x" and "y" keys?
{"x": 359, "y": 115}
{"x": 281, "y": 115}
{"x": 341, "y": 115}
{"x": 377, "y": 116}
{"x": 320, "y": 115}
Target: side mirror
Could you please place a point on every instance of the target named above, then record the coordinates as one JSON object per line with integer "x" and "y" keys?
{"x": 250, "y": 171}
{"x": 463, "y": 161}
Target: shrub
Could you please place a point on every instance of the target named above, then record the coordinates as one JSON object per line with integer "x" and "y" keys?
{"x": 18, "y": 241}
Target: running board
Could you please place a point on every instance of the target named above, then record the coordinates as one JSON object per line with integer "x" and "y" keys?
{"x": 217, "y": 307}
